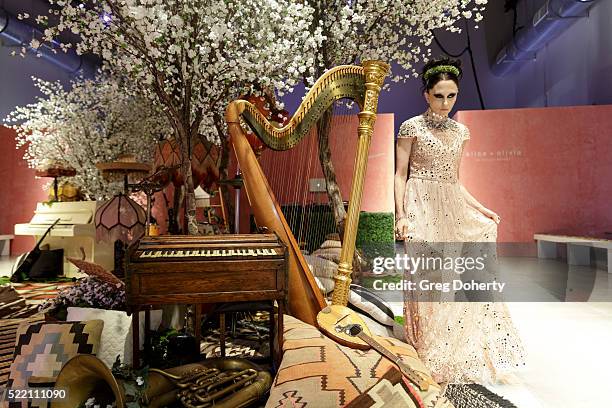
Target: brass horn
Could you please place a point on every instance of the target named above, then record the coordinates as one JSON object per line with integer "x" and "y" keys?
{"x": 218, "y": 382}
{"x": 84, "y": 376}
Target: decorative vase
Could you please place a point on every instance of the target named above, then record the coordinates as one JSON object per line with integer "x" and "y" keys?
{"x": 66, "y": 191}
{"x": 168, "y": 154}
{"x": 205, "y": 162}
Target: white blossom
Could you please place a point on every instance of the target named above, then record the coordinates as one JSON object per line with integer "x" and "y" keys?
{"x": 395, "y": 31}
{"x": 94, "y": 121}
{"x": 195, "y": 56}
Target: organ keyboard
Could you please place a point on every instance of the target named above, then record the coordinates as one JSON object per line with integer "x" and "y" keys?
{"x": 205, "y": 269}
{"x": 208, "y": 253}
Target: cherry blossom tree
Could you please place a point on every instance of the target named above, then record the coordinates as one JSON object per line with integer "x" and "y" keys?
{"x": 395, "y": 31}
{"x": 94, "y": 121}
{"x": 193, "y": 56}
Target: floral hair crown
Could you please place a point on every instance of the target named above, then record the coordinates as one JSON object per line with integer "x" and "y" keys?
{"x": 441, "y": 68}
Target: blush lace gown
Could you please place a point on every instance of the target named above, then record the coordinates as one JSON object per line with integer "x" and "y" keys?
{"x": 458, "y": 341}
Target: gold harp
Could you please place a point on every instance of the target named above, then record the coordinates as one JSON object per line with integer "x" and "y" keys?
{"x": 359, "y": 83}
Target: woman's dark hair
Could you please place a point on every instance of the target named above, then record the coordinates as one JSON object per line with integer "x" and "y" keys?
{"x": 435, "y": 77}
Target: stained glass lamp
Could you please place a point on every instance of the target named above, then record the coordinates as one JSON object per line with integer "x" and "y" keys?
{"x": 121, "y": 218}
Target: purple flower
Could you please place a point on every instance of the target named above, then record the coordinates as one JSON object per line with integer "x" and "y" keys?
{"x": 88, "y": 292}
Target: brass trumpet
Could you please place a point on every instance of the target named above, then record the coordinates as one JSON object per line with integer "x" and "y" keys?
{"x": 218, "y": 382}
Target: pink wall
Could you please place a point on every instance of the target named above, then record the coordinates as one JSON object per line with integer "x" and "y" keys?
{"x": 541, "y": 170}
{"x": 19, "y": 193}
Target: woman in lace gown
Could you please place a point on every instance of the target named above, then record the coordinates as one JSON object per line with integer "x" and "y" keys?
{"x": 437, "y": 216}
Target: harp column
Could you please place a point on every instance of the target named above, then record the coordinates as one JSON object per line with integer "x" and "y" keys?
{"x": 375, "y": 73}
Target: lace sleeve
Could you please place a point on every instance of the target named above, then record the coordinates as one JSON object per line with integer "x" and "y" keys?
{"x": 407, "y": 130}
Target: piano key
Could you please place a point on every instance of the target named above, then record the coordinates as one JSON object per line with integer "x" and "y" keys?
{"x": 206, "y": 253}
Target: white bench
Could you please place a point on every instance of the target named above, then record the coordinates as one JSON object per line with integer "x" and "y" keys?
{"x": 578, "y": 247}
{"x": 5, "y": 244}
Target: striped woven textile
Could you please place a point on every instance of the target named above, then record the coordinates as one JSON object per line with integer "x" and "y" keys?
{"x": 35, "y": 292}
{"x": 20, "y": 305}
{"x": 8, "y": 331}
{"x": 20, "y": 300}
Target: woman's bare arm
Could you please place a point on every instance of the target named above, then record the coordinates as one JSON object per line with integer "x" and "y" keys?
{"x": 404, "y": 146}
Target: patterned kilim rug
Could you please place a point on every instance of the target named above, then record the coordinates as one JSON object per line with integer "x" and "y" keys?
{"x": 248, "y": 344}
{"x": 20, "y": 303}
{"x": 244, "y": 343}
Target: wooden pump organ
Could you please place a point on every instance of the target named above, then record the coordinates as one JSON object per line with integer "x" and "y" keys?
{"x": 361, "y": 84}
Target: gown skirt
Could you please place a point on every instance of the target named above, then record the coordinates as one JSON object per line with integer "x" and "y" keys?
{"x": 459, "y": 341}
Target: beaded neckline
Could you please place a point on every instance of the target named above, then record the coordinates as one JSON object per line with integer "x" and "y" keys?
{"x": 438, "y": 122}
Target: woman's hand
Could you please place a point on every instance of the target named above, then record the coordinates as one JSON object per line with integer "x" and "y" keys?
{"x": 401, "y": 228}
{"x": 491, "y": 214}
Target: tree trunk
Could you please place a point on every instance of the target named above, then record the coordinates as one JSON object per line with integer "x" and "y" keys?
{"x": 224, "y": 172}
{"x": 173, "y": 213}
{"x": 190, "y": 225}
{"x": 333, "y": 190}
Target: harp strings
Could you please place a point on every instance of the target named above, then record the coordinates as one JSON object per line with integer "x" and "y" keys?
{"x": 310, "y": 214}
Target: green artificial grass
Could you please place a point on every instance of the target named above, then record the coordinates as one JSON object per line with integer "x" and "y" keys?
{"x": 375, "y": 235}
